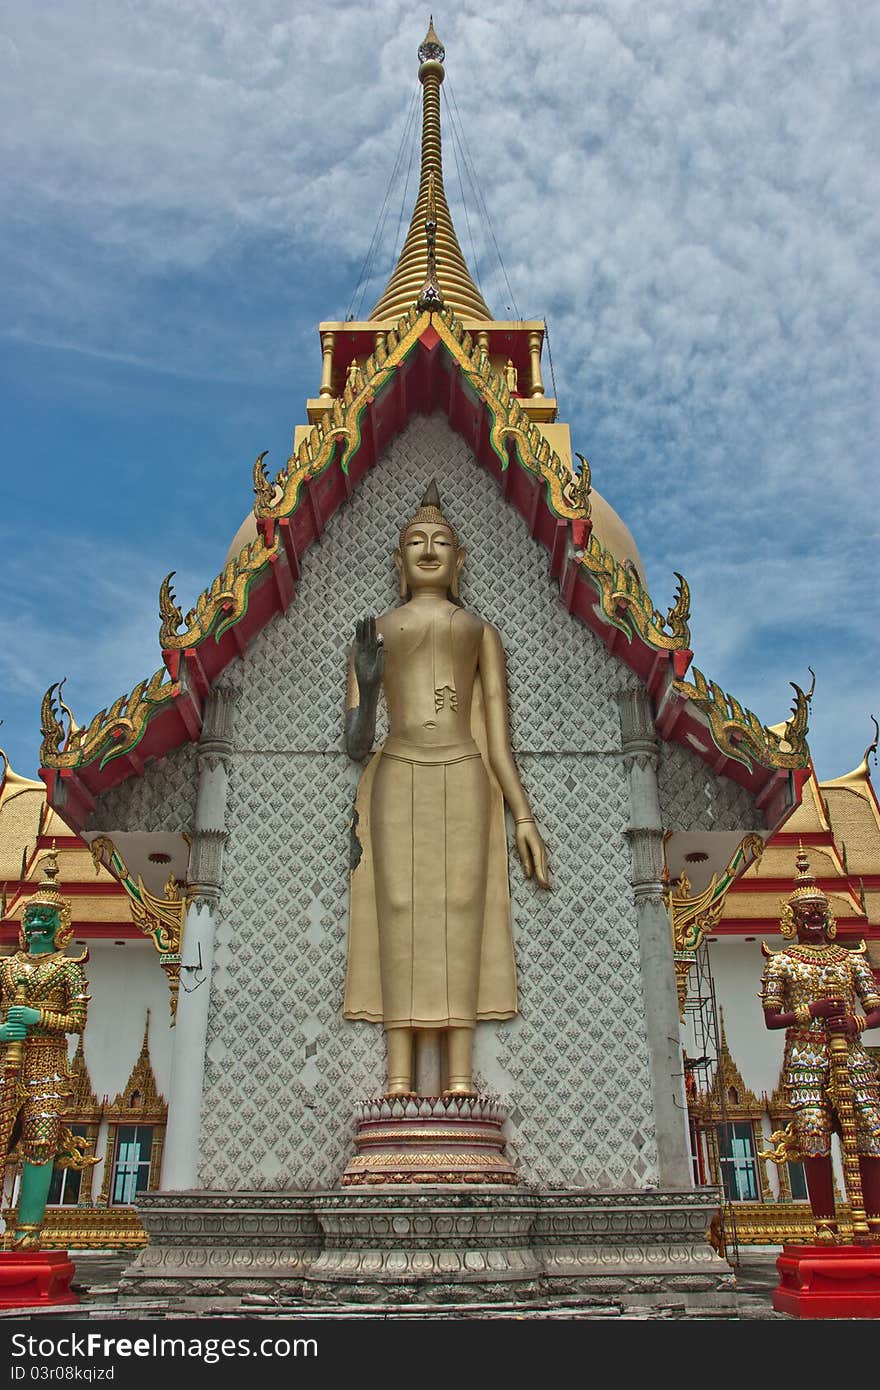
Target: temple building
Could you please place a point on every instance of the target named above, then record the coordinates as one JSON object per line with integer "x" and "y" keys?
{"x": 206, "y": 836}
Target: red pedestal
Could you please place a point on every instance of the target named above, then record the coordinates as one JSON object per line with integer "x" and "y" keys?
{"x": 828, "y": 1281}
{"x": 35, "y": 1278}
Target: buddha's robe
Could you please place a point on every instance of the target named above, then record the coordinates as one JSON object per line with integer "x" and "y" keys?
{"x": 430, "y": 942}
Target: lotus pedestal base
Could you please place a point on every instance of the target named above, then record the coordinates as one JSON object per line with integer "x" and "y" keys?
{"x": 409, "y": 1140}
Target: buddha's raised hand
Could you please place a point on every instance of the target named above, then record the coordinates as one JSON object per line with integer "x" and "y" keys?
{"x": 369, "y": 654}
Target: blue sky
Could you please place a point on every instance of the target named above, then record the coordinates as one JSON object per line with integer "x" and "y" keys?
{"x": 686, "y": 190}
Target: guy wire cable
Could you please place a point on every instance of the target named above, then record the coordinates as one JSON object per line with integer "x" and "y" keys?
{"x": 412, "y": 154}
{"x": 456, "y": 146}
{"x": 550, "y": 358}
{"x": 482, "y": 200}
{"x": 363, "y": 278}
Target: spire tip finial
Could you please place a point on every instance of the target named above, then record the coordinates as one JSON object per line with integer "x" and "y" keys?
{"x": 431, "y": 49}
{"x": 431, "y": 239}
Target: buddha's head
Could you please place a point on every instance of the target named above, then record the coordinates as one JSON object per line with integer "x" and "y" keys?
{"x": 429, "y": 556}
{"x": 46, "y": 925}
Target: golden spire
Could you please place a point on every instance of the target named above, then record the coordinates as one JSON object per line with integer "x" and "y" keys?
{"x": 414, "y": 267}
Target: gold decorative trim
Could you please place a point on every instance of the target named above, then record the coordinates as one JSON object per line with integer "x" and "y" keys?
{"x": 425, "y": 1135}
{"x": 728, "y": 1100}
{"x": 341, "y": 425}
{"x": 426, "y": 1160}
{"x": 727, "y": 1077}
{"x": 781, "y": 1223}
{"x": 110, "y": 733}
{"x": 682, "y": 962}
{"x": 219, "y": 606}
{"x": 152, "y": 1107}
{"x": 84, "y": 1105}
{"x": 89, "y": 1228}
{"x": 627, "y": 605}
{"x": 693, "y": 916}
{"x": 740, "y": 734}
{"x": 161, "y": 919}
{"x": 624, "y": 602}
{"x": 440, "y": 1176}
{"x": 109, "y": 1162}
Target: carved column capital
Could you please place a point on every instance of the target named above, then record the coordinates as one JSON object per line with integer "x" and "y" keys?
{"x": 206, "y": 862}
{"x": 211, "y": 759}
{"x": 637, "y": 731}
{"x": 646, "y": 847}
{"x": 204, "y": 895}
{"x": 641, "y": 758}
{"x": 218, "y": 724}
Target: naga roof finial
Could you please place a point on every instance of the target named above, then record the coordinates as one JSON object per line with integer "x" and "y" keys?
{"x": 872, "y": 746}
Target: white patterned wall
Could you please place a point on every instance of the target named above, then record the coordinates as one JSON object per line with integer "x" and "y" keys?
{"x": 162, "y": 799}
{"x": 693, "y": 798}
{"x": 284, "y": 1069}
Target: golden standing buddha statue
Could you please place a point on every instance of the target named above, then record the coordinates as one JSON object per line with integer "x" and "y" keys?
{"x": 430, "y": 944}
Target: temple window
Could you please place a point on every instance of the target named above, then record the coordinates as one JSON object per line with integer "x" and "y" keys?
{"x": 727, "y": 1133}
{"x": 791, "y": 1177}
{"x": 64, "y": 1189}
{"x": 797, "y": 1179}
{"x": 737, "y": 1161}
{"x": 131, "y": 1163}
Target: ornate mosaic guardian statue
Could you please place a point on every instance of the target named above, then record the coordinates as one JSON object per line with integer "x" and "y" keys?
{"x": 825, "y": 997}
{"x": 430, "y": 946}
{"x": 43, "y": 997}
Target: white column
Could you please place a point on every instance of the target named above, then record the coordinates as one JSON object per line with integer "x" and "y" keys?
{"x": 180, "y": 1159}
{"x": 660, "y": 997}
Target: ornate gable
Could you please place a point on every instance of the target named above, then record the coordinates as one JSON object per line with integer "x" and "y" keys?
{"x": 430, "y": 362}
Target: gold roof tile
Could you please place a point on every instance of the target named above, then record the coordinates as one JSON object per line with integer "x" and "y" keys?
{"x": 103, "y": 909}
{"x": 19, "y": 827}
{"x": 767, "y": 905}
{"x": 855, "y": 823}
